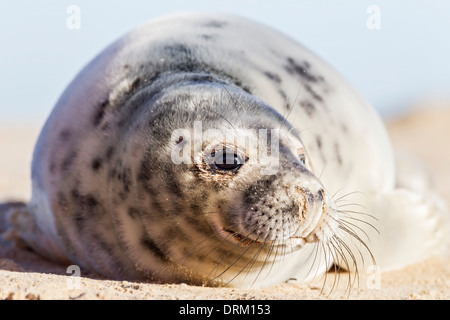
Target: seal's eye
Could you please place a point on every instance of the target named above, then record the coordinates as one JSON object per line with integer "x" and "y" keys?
{"x": 227, "y": 160}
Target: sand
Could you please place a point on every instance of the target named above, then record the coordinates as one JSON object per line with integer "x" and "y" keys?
{"x": 423, "y": 132}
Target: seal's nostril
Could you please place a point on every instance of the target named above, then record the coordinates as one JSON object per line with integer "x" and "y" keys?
{"x": 320, "y": 195}
{"x": 311, "y": 198}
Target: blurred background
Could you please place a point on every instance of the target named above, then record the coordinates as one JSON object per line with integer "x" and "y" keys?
{"x": 394, "y": 52}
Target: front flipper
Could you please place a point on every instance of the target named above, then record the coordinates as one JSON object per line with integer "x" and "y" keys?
{"x": 412, "y": 223}
{"x": 412, "y": 228}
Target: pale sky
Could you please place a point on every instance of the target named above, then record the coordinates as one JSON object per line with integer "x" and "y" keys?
{"x": 404, "y": 61}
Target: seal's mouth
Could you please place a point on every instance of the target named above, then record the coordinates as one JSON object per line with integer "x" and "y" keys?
{"x": 230, "y": 235}
{"x": 237, "y": 238}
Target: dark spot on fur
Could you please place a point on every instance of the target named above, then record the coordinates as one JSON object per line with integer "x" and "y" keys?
{"x": 314, "y": 94}
{"x": 175, "y": 232}
{"x": 98, "y": 117}
{"x": 110, "y": 152}
{"x": 273, "y": 76}
{"x": 187, "y": 61}
{"x": 149, "y": 244}
{"x": 184, "y": 55}
{"x": 145, "y": 171}
{"x": 287, "y": 105}
{"x": 301, "y": 69}
{"x": 172, "y": 184}
{"x": 68, "y": 161}
{"x": 90, "y": 201}
{"x": 242, "y": 86}
{"x": 125, "y": 177}
{"x": 199, "y": 227}
{"x": 79, "y": 221}
{"x": 133, "y": 212}
{"x": 148, "y": 188}
{"x": 308, "y": 107}
{"x": 208, "y": 37}
{"x": 75, "y": 194}
{"x": 86, "y": 201}
{"x": 174, "y": 188}
{"x": 96, "y": 164}
{"x": 64, "y": 135}
{"x": 215, "y": 24}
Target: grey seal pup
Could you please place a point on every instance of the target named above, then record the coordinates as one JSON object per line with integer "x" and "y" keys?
{"x": 211, "y": 149}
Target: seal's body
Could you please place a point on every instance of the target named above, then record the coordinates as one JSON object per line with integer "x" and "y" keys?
{"x": 109, "y": 196}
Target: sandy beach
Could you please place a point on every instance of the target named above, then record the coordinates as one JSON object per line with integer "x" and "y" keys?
{"x": 423, "y": 132}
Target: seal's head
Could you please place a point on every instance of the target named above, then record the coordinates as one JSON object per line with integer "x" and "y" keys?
{"x": 233, "y": 184}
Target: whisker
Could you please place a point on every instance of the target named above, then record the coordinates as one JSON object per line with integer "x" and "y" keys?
{"x": 235, "y": 104}
{"x": 348, "y": 194}
{"x": 237, "y": 259}
{"x": 349, "y": 204}
{"x": 348, "y": 225}
{"x": 359, "y": 220}
{"x": 325, "y": 275}
{"x": 339, "y": 190}
{"x": 237, "y": 246}
{"x": 272, "y": 245}
{"x": 293, "y": 105}
{"x": 341, "y": 254}
{"x": 343, "y": 245}
{"x": 336, "y": 274}
{"x": 355, "y": 236}
{"x": 256, "y": 257}
{"x": 314, "y": 251}
{"x": 348, "y": 212}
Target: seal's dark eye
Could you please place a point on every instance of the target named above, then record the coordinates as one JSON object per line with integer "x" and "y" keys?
{"x": 227, "y": 160}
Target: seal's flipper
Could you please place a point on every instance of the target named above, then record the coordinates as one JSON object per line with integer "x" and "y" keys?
{"x": 412, "y": 228}
{"x": 18, "y": 225}
{"x": 411, "y": 221}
